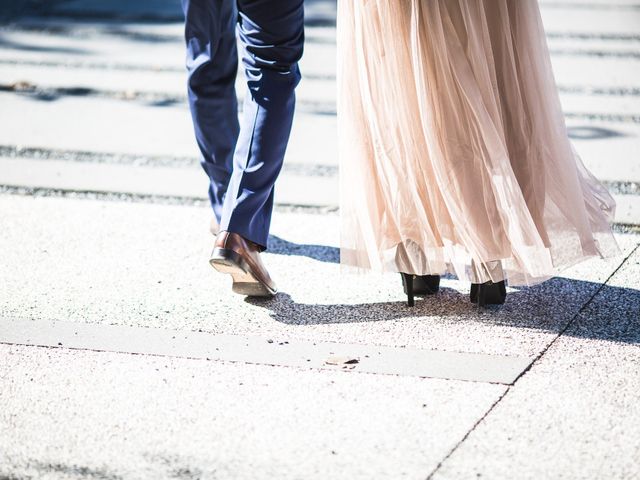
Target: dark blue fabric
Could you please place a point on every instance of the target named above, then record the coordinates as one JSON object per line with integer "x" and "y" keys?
{"x": 243, "y": 159}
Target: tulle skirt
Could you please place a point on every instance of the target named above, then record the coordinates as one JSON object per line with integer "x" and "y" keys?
{"x": 454, "y": 154}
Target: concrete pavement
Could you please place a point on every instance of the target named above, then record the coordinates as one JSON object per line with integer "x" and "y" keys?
{"x": 146, "y": 273}
{"x": 123, "y": 355}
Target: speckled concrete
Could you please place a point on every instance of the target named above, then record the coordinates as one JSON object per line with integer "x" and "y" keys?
{"x": 146, "y": 265}
{"x": 576, "y": 413}
{"x": 71, "y": 414}
{"x": 76, "y": 89}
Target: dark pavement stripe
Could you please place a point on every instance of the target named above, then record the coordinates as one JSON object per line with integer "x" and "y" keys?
{"x": 262, "y": 350}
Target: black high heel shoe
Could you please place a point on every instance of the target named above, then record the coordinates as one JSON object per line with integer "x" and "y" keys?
{"x": 488, "y": 293}
{"x": 419, "y": 285}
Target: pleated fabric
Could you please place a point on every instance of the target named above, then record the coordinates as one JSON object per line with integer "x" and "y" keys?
{"x": 454, "y": 154}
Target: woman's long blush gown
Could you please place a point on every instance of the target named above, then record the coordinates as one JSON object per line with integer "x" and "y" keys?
{"x": 454, "y": 154}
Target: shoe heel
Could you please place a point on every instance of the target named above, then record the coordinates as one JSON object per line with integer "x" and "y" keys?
{"x": 227, "y": 261}
{"x": 489, "y": 293}
{"x": 431, "y": 284}
{"x": 473, "y": 295}
{"x": 407, "y": 282}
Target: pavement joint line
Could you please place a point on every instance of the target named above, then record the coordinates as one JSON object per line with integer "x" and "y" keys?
{"x": 626, "y": 228}
{"x": 616, "y": 37}
{"x": 310, "y": 107}
{"x": 605, "y": 117}
{"x": 146, "y": 98}
{"x": 116, "y": 18}
{"x": 536, "y": 359}
{"x": 127, "y": 67}
{"x": 80, "y": 64}
{"x": 39, "y": 153}
{"x": 92, "y": 15}
{"x": 579, "y": 52}
{"x": 96, "y": 30}
{"x": 623, "y": 91}
{"x": 151, "y": 199}
{"x": 578, "y": 313}
{"x": 251, "y": 349}
{"x": 466, "y": 435}
{"x": 310, "y": 21}
{"x": 621, "y": 187}
{"x": 111, "y": 29}
{"x": 304, "y": 105}
{"x": 618, "y": 227}
{"x": 589, "y": 5}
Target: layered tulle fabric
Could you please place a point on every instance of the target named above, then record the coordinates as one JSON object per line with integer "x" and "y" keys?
{"x": 454, "y": 155}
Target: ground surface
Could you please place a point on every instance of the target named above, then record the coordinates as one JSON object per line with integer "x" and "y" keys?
{"x": 123, "y": 355}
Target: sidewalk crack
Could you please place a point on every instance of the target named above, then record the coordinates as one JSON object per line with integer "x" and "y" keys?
{"x": 533, "y": 362}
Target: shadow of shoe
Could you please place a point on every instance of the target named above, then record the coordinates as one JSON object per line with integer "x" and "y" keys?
{"x": 550, "y": 306}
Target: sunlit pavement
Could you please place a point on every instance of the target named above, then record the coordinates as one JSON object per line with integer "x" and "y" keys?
{"x": 124, "y": 355}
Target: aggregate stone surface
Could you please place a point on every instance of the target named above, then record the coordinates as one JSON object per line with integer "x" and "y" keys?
{"x": 576, "y": 413}
{"x": 78, "y": 414}
{"x": 147, "y": 265}
{"x": 93, "y": 77}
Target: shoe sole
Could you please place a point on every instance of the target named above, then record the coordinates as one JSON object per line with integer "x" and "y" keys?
{"x": 244, "y": 282}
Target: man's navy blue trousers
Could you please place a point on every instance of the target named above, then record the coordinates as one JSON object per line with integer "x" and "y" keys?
{"x": 243, "y": 159}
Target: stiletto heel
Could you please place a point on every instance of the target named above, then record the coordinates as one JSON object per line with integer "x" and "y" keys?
{"x": 407, "y": 281}
{"x": 473, "y": 295}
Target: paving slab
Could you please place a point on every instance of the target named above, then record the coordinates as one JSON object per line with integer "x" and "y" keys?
{"x": 124, "y": 52}
{"x": 575, "y": 414}
{"x": 189, "y": 182}
{"x": 137, "y": 264}
{"x": 104, "y": 125}
{"x": 608, "y": 149}
{"x": 163, "y": 86}
{"x": 95, "y": 47}
{"x": 582, "y": 100}
{"x": 595, "y": 73}
{"x": 627, "y": 209}
{"x": 357, "y": 358}
{"x": 66, "y": 414}
{"x": 619, "y": 18}
{"x": 133, "y": 46}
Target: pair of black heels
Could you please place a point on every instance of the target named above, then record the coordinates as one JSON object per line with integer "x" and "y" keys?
{"x": 488, "y": 293}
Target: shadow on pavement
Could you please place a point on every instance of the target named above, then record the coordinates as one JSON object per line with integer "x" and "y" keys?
{"x": 322, "y": 253}
{"x": 318, "y": 13}
{"x": 592, "y": 133}
{"x": 73, "y": 471}
{"x": 12, "y": 45}
{"x": 549, "y": 306}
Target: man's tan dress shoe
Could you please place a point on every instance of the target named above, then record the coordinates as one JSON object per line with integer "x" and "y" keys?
{"x": 234, "y": 254}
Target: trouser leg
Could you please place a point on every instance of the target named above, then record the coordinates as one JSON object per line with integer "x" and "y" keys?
{"x": 212, "y": 64}
{"x": 272, "y": 37}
